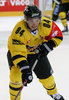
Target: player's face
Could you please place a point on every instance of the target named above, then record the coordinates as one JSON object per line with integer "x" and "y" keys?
{"x": 33, "y": 23}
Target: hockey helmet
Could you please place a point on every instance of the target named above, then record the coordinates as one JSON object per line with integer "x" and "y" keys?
{"x": 32, "y": 11}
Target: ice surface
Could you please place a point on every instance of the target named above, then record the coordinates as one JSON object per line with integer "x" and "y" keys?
{"x": 59, "y": 59}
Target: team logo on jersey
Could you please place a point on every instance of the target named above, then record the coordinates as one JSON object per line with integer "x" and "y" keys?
{"x": 55, "y": 33}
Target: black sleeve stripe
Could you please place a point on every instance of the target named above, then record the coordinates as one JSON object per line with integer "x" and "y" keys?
{"x": 22, "y": 63}
{"x": 16, "y": 57}
{"x": 61, "y": 38}
{"x": 63, "y": 18}
{"x": 17, "y": 42}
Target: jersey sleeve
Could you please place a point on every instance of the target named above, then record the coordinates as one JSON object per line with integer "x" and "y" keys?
{"x": 17, "y": 45}
{"x": 55, "y": 37}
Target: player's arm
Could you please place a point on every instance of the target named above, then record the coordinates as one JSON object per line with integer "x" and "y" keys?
{"x": 53, "y": 40}
{"x": 16, "y": 46}
{"x": 55, "y": 37}
{"x": 20, "y": 60}
{"x": 18, "y": 50}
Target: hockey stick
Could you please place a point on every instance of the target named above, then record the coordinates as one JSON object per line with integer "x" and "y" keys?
{"x": 35, "y": 63}
{"x": 20, "y": 89}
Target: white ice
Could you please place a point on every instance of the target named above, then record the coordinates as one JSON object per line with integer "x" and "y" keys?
{"x": 59, "y": 59}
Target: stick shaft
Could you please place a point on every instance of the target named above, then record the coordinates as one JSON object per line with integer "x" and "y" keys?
{"x": 36, "y": 61}
{"x": 20, "y": 90}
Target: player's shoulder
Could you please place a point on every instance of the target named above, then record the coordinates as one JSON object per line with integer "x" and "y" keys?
{"x": 21, "y": 22}
{"x": 19, "y": 26}
{"x": 46, "y": 18}
{"x": 46, "y": 22}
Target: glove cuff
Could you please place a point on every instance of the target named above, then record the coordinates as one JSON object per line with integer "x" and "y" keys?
{"x": 23, "y": 65}
{"x": 23, "y": 68}
{"x": 47, "y": 47}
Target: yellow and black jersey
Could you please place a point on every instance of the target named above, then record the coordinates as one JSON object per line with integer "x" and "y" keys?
{"x": 64, "y": 1}
{"x": 22, "y": 42}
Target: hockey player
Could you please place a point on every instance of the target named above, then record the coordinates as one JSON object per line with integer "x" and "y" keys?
{"x": 33, "y": 38}
{"x": 60, "y": 10}
{"x": 64, "y": 8}
{"x": 55, "y": 11}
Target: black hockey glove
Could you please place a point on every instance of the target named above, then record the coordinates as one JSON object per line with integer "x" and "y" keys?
{"x": 26, "y": 72}
{"x": 45, "y": 48}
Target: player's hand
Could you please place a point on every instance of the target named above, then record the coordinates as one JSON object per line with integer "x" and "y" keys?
{"x": 27, "y": 76}
{"x": 26, "y": 72}
{"x": 44, "y": 49}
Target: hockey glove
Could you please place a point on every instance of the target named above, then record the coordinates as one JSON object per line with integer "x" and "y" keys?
{"x": 26, "y": 72}
{"x": 45, "y": 47}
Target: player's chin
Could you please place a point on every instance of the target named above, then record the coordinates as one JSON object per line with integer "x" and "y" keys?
{"x": 33, "y": 28}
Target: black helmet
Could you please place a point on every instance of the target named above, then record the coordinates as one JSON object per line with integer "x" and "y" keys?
{"x": 32, "y": 11}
